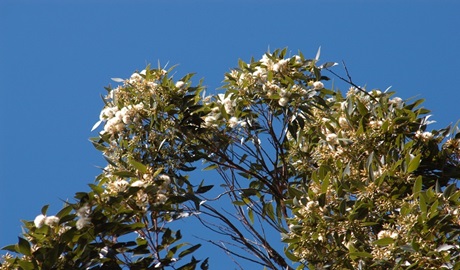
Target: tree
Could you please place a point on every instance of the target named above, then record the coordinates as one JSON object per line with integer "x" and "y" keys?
{"x": 350, "y": 181}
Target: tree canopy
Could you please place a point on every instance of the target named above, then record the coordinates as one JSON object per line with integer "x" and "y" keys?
{"x": 347, "y": 179}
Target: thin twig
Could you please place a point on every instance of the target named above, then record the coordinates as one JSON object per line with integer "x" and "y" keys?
{"x": 349, "y": 81}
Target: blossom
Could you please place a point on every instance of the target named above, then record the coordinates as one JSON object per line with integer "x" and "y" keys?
{"x": 51, "y": 221}
{"x": 397, "y": 101}
{"x": 318, "y": 85}
{"x": 83, "y": 214}
{"x": 375, "y": 124}
{"x": 278, "y": 67}
{"x": 39, "y": 221}
{"x": 119, "y": 185}
{"x": 332, "y": 138}
{"x": 108, "y": 112}
{"x": 227, "y": 101}
{"x": 283, "y": 101}
{"x": 233, "y": 122}
{"x": 424, "y": 136}
{"x": 161, "y": 198}
{"x": 138, "y": 183}
{"x": 83, "y": 222}
{"x": 387, "y": 234}
{"x": 343, "y": 122}
{"x": 83, "y": 211}
{"x": 180, "y": 84}
{"x": 267, "y": 61}
{"x": 311, "y": 205}
{"x": 165, "y": 179}
{"x": 136, "y": 77}
{"x": 210, "y": 120}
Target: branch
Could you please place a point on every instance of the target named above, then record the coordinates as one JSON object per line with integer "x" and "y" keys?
{"x": 350, "y": 81}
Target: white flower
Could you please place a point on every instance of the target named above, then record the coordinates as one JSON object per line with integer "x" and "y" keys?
{"x": 83, "y": 222}
{"x": 311, "y": 205}
{"x": 209, "y": 120}
{"x": 121, "y": 185}
{"x": 332, "y": 138}
{"x": 233, "y": 122}
{"x": 165, "y": 178}
{"x": 142, "y": 199}
{"x": 427, "y": 135}
{"x": 376, "y": 124}
{"x": 64, "y": 229}
{"x": 397, "y": 101}
{"x": 318, "y": 85}
{"x": 108, "y": 113}
{"x": 343, "y": 122}
{"x": 424, "y": 136}
{"x": 180, "y": 84}
{"x": 39, "y": 221}
{"x": 280, "y": 65}
{"x": 267, "y": 61}
{"x": 161, "y": 198}
{"x": 283, "y": 101}
{"x": 227, "y": 101}
{"x": 51, "y": 221}
{"x": 260, "y": 73}
{"x": 284, "y": 93}
{"x": 138, "y": 183}
{"x": 387, "y": 234}
{"x": 83, "y": 211}
{"x": 297, "y": 58}
{"x": 376, "y": 93}
{"x": 135, "y": 78}
{"x": 103, "y": 253}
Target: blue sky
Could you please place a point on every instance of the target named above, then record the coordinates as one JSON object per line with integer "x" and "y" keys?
{"x": 56, "y": 57}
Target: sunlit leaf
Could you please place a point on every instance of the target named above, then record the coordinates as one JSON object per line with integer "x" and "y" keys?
{"x": 414, "y": 163}
{"x": 384, "y": 241}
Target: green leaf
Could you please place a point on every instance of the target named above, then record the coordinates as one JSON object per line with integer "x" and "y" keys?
{"x": 44, "y": 209}
{"x": 26, "y": 265}
{"x": 449, "y": 190}
{"x": 204, "y": 265}
{"x": 124, "y": 174}
{"x": 291, "y": 256}
{"x": 96, "y": 188}
{"x": 325, "y": 184}
{"x": 422, "y": 203}
{"x": 64, "y": 211}
{"x": 414, "y": 163}
{"x": 24, "y": 246}
{"x": 239, "y": 203}
{"x": 251, "y": 215}
{"x": 139, "y": 166}
{"x": 189, "y": 250}
{"x": 13, "y": 248}
{"x": 384, "y": 241}
{"x": 211, "y": 167}
{"x": 203, "y": 189}
{"x": 362, "y": 254}
{"x": 417, "y": 186}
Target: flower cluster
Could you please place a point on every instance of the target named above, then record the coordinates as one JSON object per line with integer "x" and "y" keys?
{"x": 265, "y": 79}
{"x": 41, "y": 220}
{"x": 351, "y": 181}
{"x": 84, "y": 217}
{"x": 117, "y": 120}
{"x": 348, "y": 152}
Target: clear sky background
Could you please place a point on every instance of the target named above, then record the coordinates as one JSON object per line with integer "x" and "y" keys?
{"x": 56, "y": 57}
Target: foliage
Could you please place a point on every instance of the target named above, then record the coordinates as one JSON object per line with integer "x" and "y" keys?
{"x": 349, "y": 180}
